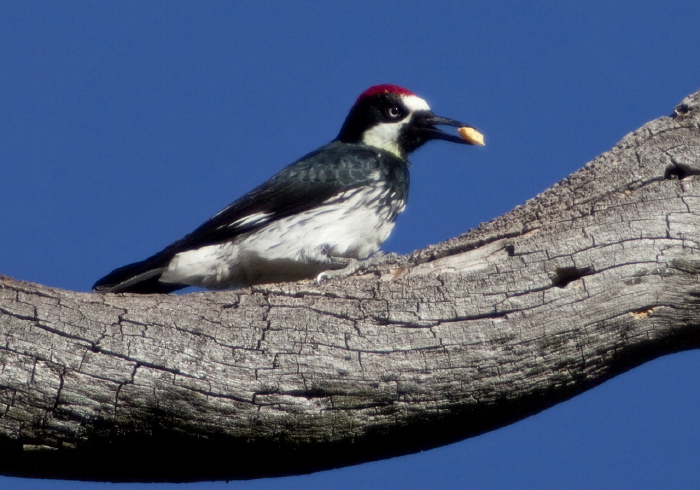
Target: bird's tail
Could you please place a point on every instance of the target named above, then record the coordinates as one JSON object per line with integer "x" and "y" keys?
{"x": 140, "y": 277}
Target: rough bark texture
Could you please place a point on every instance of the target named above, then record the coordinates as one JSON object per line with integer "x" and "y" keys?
{"x": 589, "y": 279}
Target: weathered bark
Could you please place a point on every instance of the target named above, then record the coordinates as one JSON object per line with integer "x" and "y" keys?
{"x": 589, "y": 279}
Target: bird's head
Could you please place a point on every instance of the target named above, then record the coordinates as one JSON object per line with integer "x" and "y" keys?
{"x": 397, "y": 120}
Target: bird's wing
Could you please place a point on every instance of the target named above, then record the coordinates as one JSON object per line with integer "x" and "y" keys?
{"x": 304, "y": 184}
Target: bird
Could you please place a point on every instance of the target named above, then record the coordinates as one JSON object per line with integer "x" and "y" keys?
{"x": 333, "y": 206}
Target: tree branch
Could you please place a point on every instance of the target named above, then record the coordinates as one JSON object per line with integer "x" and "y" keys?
{"x": 587, "y": 280}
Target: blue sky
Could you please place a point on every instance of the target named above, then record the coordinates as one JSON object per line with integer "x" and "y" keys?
{"x": 123, "y": 125}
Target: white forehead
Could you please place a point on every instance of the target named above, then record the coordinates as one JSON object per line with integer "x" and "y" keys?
{"x": 414, "y": 103}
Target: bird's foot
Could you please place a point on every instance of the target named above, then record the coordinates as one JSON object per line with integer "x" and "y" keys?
{"x": 344, "y": 267}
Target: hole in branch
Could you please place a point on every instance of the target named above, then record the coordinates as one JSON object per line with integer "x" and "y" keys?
{"x": 674, "y": 172}
{"x": 565, "y": 275}
{"x": 681, "y": 109}
{"x": 680, "y": 171}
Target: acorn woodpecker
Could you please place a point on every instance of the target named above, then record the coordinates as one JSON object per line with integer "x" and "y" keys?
{"x": 334, "y": 205}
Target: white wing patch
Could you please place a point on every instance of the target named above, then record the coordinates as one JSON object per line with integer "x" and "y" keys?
{"x": 253, "y": 219}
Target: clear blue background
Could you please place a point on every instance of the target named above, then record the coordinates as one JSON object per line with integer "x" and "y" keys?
{"x": 123, "y": 125}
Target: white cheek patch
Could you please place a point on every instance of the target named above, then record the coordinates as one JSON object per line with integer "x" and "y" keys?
{"x": 386, "y": 135}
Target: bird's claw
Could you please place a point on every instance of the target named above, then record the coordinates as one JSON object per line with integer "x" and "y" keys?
{"x": 353, "y": 265}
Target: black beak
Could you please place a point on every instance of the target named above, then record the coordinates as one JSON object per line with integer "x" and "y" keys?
{"x": 468, "y": 135}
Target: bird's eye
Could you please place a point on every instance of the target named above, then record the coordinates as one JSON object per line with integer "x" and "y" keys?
{"x": 393, "y": 112}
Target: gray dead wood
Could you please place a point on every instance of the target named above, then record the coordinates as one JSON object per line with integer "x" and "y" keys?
{"x": 589, "y": 279}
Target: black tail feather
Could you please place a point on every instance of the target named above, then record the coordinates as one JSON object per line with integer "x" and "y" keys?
{"x": 140, "y": 277}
